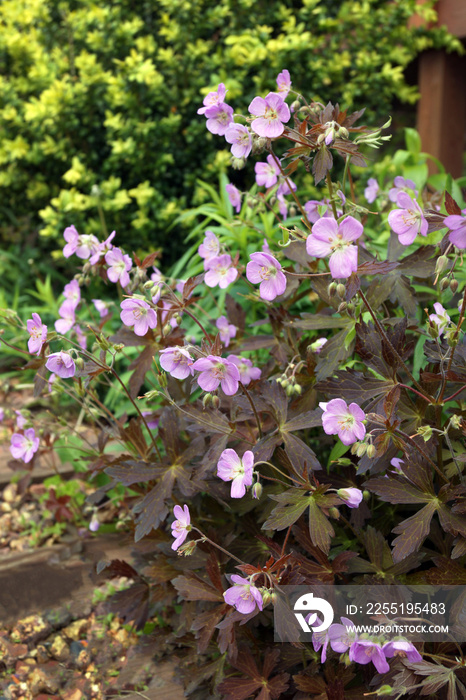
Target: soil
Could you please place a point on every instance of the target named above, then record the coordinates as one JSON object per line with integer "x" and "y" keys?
{"x": 57, "y": 639}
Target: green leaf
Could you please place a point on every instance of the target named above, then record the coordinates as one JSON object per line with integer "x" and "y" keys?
{"x": 413, "y": 140}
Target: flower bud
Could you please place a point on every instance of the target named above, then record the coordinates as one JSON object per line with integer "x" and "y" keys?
{"x": 371, "y": 451}
{"x": 295, "y": 106}
{"x": 343, "y": 132}
{"x": 292, "y": 211}
{"x": 441, "y": 264}
{"x": 332, "y": 289}
{"x": 86, "y": 267}
{"x": 237, "y": 163}
{"x": 342, "y": 307}
{"x": 207, "y": 400}
{"x": 178, "y": 318}
{"x": 454, "y": 285}
{"x": 341, "y": 290}
{"x": 334, "y": 513}
{"x": 149, "y": 284}
{"x": 167, "y": 329}
{"x": 289, "y": 390}
{"x": 444, "y": 283}
{"x": 258, "y": 144}
{"x": 215, "y": 401}
{"x": 354, "y": 447}
{"x": 387, "y": 690}
{"x": 266, "y": 595}
{"x": 297, "y": 388}
{"x": 256, "y": 490}
{"x": 79, "y": 362}
{"x": 366, "y": 495}
{"x": 152, "y": 394}
{"x": 103, "y": 342}
{"x": 362, "y": 449}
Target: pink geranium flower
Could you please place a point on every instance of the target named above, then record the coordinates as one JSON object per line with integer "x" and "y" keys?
{"x": 440, "y": 318}
{"x": 318, "y": 344}
{"x": 407, "y": 221}
{"x": 231, "y": 467}
{"x": 247, "y": 372}
{"x": 351, "y": 496}
{"x": 234, "y": 196}
{"x": 209, "y": 247}
{"x": 341, "y": 637}
{"x": 227, "y": 330}
{"x": 243, "y": 596}
{"x": 401, "y": 185}
{"x": 62, "y": 364}
{"x": 267, "y": 173}
{"x": 343, "y": 420}
{"x": 38, "y": 333}
{"x": 138, "y": 313}
{"x": 372, "y": 189}
{"x": 363, "y": 651}
{"x": 20, "y": 420}
{"x": 102, "y": 248}
{"x": 330, "y": 239}
{"x": 403, "y": 649}
{"x": 215, "y": 371}
{"x": 67, "y": 317}
{"x": 72, "y": 292}
{"x": 101, "y": 307}
{"x": 240, "y": 138}
{"x": 177, "y": 361}
{"x": 270, "y": 112}
{"x": 181, "y": 526}
{"x": 457, "y": 226}
{"x": 119, "y": 265}
{"x": 283, "y": 83}
{"x": 82, "y": 245}
{"x": 24, "y": 446}
{"x": 267, "y": 271}
{"x": 213, "y": 98}
{"x": 219, "y": 118}
{"x": 220, "y": 271}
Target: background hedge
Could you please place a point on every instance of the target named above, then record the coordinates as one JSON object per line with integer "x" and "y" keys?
{"x": 98, "y": 100}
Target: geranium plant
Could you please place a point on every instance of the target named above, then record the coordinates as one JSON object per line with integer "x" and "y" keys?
{"x": 320, "y": 376}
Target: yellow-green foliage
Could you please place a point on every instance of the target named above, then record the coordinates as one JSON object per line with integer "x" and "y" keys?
{"x": 98, "y": 100}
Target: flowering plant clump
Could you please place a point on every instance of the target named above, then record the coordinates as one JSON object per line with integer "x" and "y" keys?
{"x": 284, "y": 407}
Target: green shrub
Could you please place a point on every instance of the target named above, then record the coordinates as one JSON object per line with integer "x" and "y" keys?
{"x": 98, "y": 122}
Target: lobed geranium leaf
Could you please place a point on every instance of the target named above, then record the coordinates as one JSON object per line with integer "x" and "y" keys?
{"x": 395, "y": 490}
{"x": 322, "y": 163}
{"x": 333, "y": 354}
{"x": 132, "y": 471}
{"x": 320, "y": 528}
{"x": 376, "y": 267}
{"x": 300, "y": 454}
{"x": 151, "y": 511}
{"x": 292, "y": 504}
{"x": 192, "y": 587}
{"x": 132, "y": 604}
{"x": 451, "y": 206}
{"x": 354, "y": 386}
{"x": 141, "y": 365}
{"x": 205, "y": 624}
{"x": 133, "y": 434}
{"x": 368, "y": 347}
{"x": 412, "y": 532}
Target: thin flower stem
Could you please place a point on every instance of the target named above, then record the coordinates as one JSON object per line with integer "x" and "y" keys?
{"x": 285, "y": 541}
{"x": 350, "y": 179}
{"x": 330, "y": 191}
{"x": 421, "y": 451}
{"x": 249, "y": 398}
{"x": 288, "y": 182}
{"x": 122, "y": 384}
{"x": 405, "y": 386}
{"x": 455, "y": 337}
{"x": 311, "y": 274}
{"x": 449, "y": 398}
{"x": 287, "y": 476}
{"x": 214, "y": 544}
{"x": 207, "y": 336}
{"x": 385, "y": 337}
